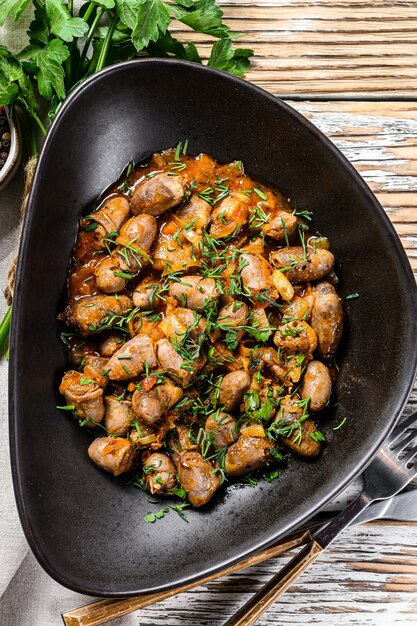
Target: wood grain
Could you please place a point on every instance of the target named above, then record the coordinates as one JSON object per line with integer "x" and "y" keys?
{"x": 339, "y": 590}
{"x": 326, "y": 48}
{"x": 380, "y": 140}
{"x": 104, "y": 610}
{"x": 251, "y": 612}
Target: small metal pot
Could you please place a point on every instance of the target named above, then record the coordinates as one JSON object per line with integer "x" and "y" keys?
{"x": 11, "y": 165}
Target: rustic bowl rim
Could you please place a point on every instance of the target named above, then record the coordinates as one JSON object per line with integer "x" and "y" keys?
{"x": 9, "y": 168}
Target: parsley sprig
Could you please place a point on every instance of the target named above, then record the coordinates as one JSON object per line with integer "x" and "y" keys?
{"x": 65, "y": 48}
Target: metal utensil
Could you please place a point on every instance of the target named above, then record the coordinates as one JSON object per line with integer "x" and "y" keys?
{"x": 383, "y": 478}
{"x": 402, "y": 507}
{"x": 399, "y": 508}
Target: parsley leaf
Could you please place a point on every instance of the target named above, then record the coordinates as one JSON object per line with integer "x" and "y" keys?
{"x": 8, "y": 91}
{"x": 15, "y": 86}
{"x": 61, "y": 23}
{"x": 223, "y": 57}
{"x": 14, "y": 8}
{"x": 49, "y": 72}
{"x": 152, "y": 517}
{"x": 151, "y": 20}
{"x": 317, "y": 436}
{"x": 127, "y": 11}
{"x": 39, "y": 28}
{"x": 178, "y": 508}
{"x": 203, "y": 16}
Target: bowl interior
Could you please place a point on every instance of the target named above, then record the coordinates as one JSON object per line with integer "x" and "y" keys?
{"x": 87, "y": 528}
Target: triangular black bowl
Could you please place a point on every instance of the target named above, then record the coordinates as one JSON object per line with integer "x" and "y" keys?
{"x": 86, "y": 528}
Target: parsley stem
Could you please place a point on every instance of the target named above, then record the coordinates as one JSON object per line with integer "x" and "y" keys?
{"x": 106, "y": 45}
{"x": 5, "y": 328}
{"x": 33, "y": 142}
{"x": 90, "y": 34}
{"x": 39, "y": 123}
{"x": 89, "y": 11}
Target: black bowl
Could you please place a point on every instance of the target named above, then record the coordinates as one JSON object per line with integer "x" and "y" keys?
{"x": 85, "y": 527}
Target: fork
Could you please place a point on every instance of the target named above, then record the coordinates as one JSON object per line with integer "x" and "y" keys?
{"x": 386, "y": 475}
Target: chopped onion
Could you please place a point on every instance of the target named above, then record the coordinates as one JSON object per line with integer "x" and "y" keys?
{"x": 148, "y": 439}
{"x": 281, "y": 282}
{"x": 254, "y": 430}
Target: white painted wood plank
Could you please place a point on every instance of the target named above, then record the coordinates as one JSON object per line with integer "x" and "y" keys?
{"x": 368, "y": 577}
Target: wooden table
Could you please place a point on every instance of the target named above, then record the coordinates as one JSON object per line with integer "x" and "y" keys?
{"x": 351, "y": 67}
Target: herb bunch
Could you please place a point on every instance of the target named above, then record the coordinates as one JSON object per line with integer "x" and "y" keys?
{"x": 65, "y": 48}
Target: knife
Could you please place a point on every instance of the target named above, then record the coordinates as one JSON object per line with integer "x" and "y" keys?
{"x": 401, "y": 508}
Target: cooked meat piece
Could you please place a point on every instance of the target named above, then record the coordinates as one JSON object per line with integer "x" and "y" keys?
{"x": 139, "y": 231}
{"x": 197, "y": 477}
{"x": 108, "y": 275}
{"x": 146, "y": 294}
{"x": 110, "y": 342}
{"x": 271, "y": 358}
{"x": 95, "y": 367}
{"x": 142, "y": 324}
{"x": 323, "y": 287}
{"x": 194, "y": 216}
{"x": 229, "y": 215}
{"x": 88, "y": 313}
{"x": 296, "y": 336}
{"x": 179, "y": 441}
{"x": 156, "y": 195}
{"x": 260, "y": 321}
{"x": 311, "y": 266}
{"x": 172, "y": 254}
{"x": 299, "y": 307}
{"x": 232, "y": 389}
{"x": 194, "y": 292}
{"x": 78, "y": 349}
{"x": 305, "y": 446}
{"x": 149, "y": 437}
{"x": 223, "y": 429}
{"x": 327, "y": 319}
{"x": 159, "y": 473}
{"x": 113, "y": 454}
{"x": 176, "y": 367}
{"x": 233, "y": 314}
{"x": 117, "y": 416}
{"x": 291, "y": 415}
{"x": 280, "y": 226}
{"x": 84, "y": 395}
{"x": 129, "y": 360}
{"x": 178, "y": 321}
{"x": 256, "y": 275}
{"x": 317, "y": 385}
{"x": 269, "y": 390}
{"x": 149, "y": 406}
{"x": 247, "y": 454}
{"x": 110, "y": 216}
{"x": 134, "y": 242}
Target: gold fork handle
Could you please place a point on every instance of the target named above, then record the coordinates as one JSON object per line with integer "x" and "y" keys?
{"x": 104, "y": 611}
{"x": 250, "y": 612}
